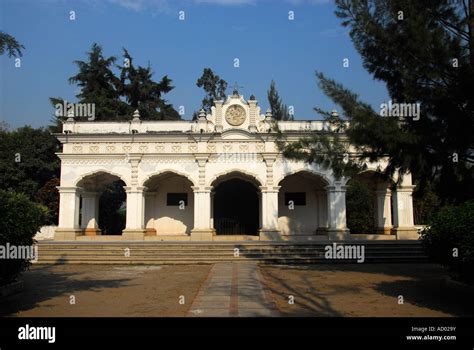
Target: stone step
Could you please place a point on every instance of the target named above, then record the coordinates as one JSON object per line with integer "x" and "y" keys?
{"x": 201, "y": 253}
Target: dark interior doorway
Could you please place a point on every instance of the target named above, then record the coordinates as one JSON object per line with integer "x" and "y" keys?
{"x": 236, "y": 208}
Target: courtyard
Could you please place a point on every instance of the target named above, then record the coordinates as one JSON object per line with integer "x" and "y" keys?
{"x": 239, "y": 289}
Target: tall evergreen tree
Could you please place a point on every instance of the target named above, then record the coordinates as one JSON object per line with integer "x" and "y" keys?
{"x": 99, "y": 85}
{"x": 10, "y": 45}
{"x": 422, "y": 51}
{"x": 213, "y": 86}
{"x": 144, "y": 94}
{"x": 279, "y": 109}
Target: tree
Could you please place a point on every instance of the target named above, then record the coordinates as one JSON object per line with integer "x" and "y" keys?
{"x": 360, "y": 208}
{"x": 10, "y": 45}
{"x": 214, "y": 87}
{"x": 27, "y": 159}
{"x": 48, "y": 195}
{"x": 422, "y": 51}
{"x": 20, "y": 219}
{"x": 279, "y": 109}
{"x": 144, "y": 94}
{"x": 99, "y": 85}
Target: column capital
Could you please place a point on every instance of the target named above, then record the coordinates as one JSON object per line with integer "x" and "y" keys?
{"x": 333, "y": 188}
{"x": 70, "y": 189}
{"x": 135, "y": 189}
{"x": 269, "y": 158}
{"x": 134, "y": 158}
{"x": 405, "y": 188}
{"x": 269, "y": 189}
{"x": 201, "y": 189}
{"x": 385, "y": 192}
{"x": 201, "y": 157}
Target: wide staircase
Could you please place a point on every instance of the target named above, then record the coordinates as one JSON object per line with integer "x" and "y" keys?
{"x": 151, "y": 253}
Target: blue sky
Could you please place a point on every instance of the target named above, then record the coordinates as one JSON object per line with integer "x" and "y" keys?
{"x": 214, "y": 32}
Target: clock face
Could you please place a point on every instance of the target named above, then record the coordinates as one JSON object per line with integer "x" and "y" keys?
{"x": 235, "y": 115}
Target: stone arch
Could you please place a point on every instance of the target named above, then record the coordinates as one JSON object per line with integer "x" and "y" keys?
{"x": 102, "y": 202}
{"x": 236, "y": 173}
{"x": 369, "y": 202}
{"x": 303, "y": 203}
{"x": 236, "y": 203}
{"x": 169, "y": 203}
{"x": 328, "y": 181}
{"x": 99, "y": 172}
{"x": 164, "y": 172}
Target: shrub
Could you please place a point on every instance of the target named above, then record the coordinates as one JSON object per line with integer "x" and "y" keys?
{"x": 360, "y": 208}
{"x": 449, "y": 229}
{"x": 20, "y": 219}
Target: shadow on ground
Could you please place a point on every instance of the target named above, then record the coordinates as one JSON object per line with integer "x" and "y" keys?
{"x": 367, "y": 290}
{"x": 59, "y": 284}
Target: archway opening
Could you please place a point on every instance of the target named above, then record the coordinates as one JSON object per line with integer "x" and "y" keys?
{"x": 169, "y": 205}
{"x": 236, "y": 207}
{"x": 368, "y": 203}
{"x": 302, "y": 204}
{"x": 103, "y": 204}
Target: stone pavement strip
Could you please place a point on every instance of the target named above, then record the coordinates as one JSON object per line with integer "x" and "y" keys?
{"x": 233, "y": 289}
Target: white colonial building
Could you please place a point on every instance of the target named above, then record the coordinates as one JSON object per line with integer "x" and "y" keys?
{"x": 220, "y": 177}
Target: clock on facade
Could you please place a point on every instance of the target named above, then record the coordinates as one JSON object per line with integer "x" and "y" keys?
{"x": 235, "y": 115}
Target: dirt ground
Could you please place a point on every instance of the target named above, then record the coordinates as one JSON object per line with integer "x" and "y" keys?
{"x": 106, "y": 291}
{"x": 318, "y": 290}
{"x": 367, "y": 290}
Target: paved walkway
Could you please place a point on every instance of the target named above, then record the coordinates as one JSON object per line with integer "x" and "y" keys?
{"x": 233, "y": 289}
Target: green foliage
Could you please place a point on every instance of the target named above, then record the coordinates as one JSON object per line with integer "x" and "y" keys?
{"x": 360, "y": 208}
{"x": 279, "y": 109}
{"x": 414, "y": 58}
{"x": 425, "y": 203}
{"x": 20, "y": 219}
{"x": 214, "y": 87}
{"x": 99, "y": 85}
{"x": 10, "y": 45}
{"x": 116, "y": 98}
{"x": 48, "y": 195}
{"x": 452, "y": 228}
{"x": 144, "y": 94}
{"x": 27, "y": 159}
{"x": 111, "y": 209}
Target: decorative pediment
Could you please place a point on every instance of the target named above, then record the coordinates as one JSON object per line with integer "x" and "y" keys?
{"x": 236, "y": 113}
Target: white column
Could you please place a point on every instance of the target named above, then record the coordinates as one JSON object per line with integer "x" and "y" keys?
{"x": 90, "y": 213}
{"x": 135, "y": 227}
{"x": 270, "y": 229}
{"x": 383, "y": 211}
{"x": 322, "y": 214}
{"x": 69, "y": 203}
{"x": 202, "y": 230}
{"x": 403, "y": 213}
{"x": 336, "y": 206}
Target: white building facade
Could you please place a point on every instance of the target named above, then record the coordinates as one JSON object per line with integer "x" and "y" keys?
{"x": 220, "y": 177}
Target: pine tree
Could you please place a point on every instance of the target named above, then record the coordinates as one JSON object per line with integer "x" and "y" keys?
{"x": 279, "y": 109}
{"x": 143, "y": 93}
{"x": 99, "y": 85}
{"x": 214, "y": 87}
{"x": 422, "y": 51}
{"x": 10, "y": 45}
